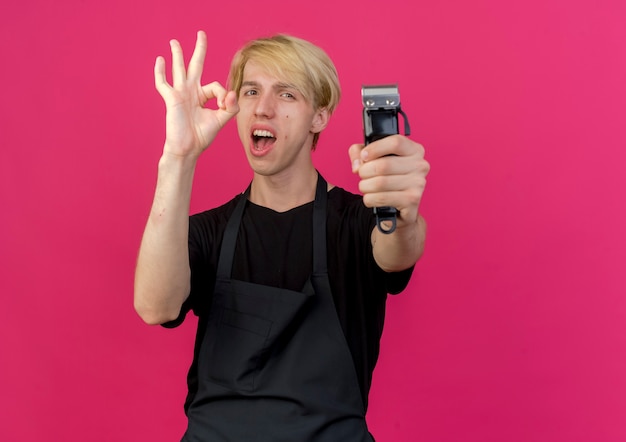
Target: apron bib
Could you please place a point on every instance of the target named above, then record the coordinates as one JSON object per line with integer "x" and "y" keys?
{"x": 274, "y": 364}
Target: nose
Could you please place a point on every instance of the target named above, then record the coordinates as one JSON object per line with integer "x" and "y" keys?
{"x": 264, "y": 105}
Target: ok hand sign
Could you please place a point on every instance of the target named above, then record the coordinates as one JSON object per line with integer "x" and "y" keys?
{"x": 190, "y": 126}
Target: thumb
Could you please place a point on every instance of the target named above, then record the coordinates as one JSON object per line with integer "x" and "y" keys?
{"x": 355, "y": 156}
{"x": 227, "y": 108}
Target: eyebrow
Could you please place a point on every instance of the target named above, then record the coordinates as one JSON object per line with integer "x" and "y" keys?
{"x": 275, "y": 86}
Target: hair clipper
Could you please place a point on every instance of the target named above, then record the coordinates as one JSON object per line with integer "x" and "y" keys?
{"x": 381, "y": 106}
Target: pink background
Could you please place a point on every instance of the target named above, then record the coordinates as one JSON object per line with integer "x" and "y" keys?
{"x": 514, "y": 325}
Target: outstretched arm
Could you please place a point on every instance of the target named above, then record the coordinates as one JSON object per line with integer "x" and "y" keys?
{"x": 393, "y": 173}
{"x": 162, "y": 275}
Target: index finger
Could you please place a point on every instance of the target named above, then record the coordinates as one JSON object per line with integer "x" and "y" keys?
{"x": 196, "y": 64}
{"x": 391, "y": 145}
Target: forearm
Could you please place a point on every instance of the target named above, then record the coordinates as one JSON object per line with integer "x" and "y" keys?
{"x": 162, "y": 276}
{"x": 401, "y": 249}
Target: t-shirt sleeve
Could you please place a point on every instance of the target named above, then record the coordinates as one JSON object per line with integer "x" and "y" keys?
{"x": 199, "y": 265}
{"x": 205, "y": 236}
{"x": 395, "y": 282}
{"x": 354, "y": 249}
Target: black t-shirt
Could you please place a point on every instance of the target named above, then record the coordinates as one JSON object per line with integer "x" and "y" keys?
{"x": 275, "y": 248}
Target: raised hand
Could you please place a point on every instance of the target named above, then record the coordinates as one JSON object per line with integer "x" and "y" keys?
{"x": 190, "y": 126}
{"x": 393, "y": 173}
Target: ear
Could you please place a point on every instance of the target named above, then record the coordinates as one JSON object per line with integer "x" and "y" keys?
{"x": 320, "y": 120}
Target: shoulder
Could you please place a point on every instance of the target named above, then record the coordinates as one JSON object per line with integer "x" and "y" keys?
{"x": 344, "y": 201}
{"x": 216, "y": 215}
{"x": 338, "y": 195}
{"x": 220, "y": 211}
{"x": 347, "y": 209}
{"x": 206, "y": 228}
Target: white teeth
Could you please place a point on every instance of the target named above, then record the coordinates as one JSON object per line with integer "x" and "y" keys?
{"x": 263, "y": 133}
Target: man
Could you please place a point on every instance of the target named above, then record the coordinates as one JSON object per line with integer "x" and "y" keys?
{"x": 289, "y": 279}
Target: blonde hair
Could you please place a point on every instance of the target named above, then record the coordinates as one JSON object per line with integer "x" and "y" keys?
{"x": 304, "y": 64}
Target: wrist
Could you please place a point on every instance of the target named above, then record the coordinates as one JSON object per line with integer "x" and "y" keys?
{"x": 170, "y": 161}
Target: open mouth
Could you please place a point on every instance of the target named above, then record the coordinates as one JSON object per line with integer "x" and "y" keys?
{"x": 262, "y": 139}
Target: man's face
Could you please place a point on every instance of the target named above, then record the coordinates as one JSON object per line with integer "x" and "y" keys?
{"x": 275, "y": 123}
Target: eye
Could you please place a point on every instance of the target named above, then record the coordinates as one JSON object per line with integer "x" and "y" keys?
{"x": 250, "y": 92}
{"x": 288, "y": 95}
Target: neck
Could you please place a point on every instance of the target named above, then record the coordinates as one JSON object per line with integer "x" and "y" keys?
{"x": 283, "y": 193}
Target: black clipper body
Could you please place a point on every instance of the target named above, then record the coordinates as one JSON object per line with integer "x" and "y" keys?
{"x": 381, "y": 106}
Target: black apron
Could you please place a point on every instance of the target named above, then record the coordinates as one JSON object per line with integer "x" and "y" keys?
{"x": 274, "y": 364}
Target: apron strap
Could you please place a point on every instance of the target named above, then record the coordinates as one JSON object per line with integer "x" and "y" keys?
{"x": 227, "y": 251}
{"x": 319, "y": 226}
